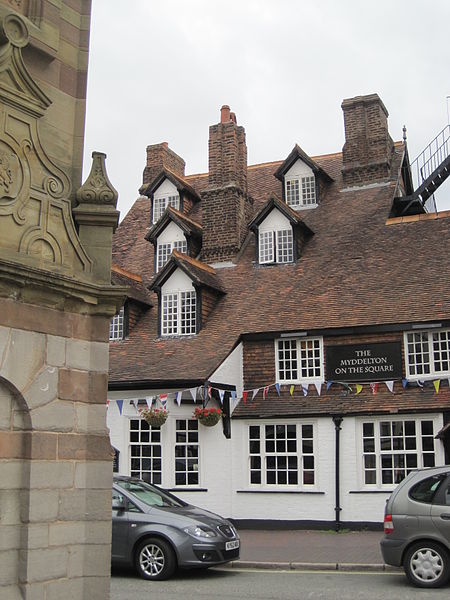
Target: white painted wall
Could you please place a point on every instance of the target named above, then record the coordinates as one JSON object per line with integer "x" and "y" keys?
{"x": 166, "y": 188}
{"x": 172, "y": 233}
{"x": 275, "y": 221}
{"x": 231, "y": 372}
{"x": 298, "y": 169}
{"x": 177, "y": 282}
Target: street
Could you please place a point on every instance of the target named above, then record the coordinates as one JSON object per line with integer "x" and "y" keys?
{"x": 230, "y": 584}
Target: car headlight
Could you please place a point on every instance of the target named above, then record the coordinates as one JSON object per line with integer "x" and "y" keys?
{"x": 200, "y": 531}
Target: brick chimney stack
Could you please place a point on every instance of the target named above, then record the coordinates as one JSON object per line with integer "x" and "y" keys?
{"x": 160, "y": 156}
{"x": 368, "y": 149}
{"x": 225, "y": 203}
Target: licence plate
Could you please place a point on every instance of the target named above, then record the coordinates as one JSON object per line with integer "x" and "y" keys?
{"x": 232, "y": 545}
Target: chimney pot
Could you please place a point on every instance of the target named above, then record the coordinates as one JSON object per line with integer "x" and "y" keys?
{"x": 225, "y": 114}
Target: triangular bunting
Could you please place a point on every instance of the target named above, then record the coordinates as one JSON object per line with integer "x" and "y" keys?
{"x": 178, "y": 397}
{"x": 329, "y": 384}
{"x": 221, "y": 395}
{"x": 305, "y": 389}
{"x": 374, "y": 387}
{"x": 120, "y": 405}
{"x": 318, "y": 387}
{"x": 291, "y": 390}
{"x": 244, "y": 396}
{"x": 163, "y": 399}
{"x": 233, "y": 395}
{"x": 254, "y": 393}
{"x": 277, "y": 387}
{"x": 149, "y": 401}
{"x": 136, "y": 402}
{"x": 193, "y": 392}
{"x": 265, "y": 392}
{"x": 404, "y": 383}
{"x": 437, "y": 383}
{"x": 359, "y": 388}
{"x": 390, "y": 386}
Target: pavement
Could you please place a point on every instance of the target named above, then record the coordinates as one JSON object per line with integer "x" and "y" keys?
{"x": 311, "y": 550}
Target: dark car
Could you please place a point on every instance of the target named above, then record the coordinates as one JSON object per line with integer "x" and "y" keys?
{"x": 417, "y": 527}
{"x": 157, "y": 532}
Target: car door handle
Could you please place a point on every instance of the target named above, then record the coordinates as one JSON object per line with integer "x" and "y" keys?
{"x": 445, "y": 516}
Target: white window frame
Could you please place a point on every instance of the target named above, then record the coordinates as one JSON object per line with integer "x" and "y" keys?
{"x": 270, "y": 246}
{"x": 117, "y": 326}
{"x": 160, "y": 204}
{"x": 395, "y": 444}
{"x": 271, "y": 460}
{"x": 180, "y": 245}
{"x": 294, "y": 352}
{"x": 177, "y": 321}
{"x": 304, "y": 194}
{"x": 150, "y": 450}
{"x": 437, "y": 350}
{"x": 192, "y": 440}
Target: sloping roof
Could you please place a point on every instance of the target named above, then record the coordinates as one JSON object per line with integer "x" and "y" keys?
{"x": 357, "y": 270}
{"x": 298, "y": 154}
{"x": 179, "y": 182}
{"x": 136, "y": 289}
{"x": 200, "y": 273}
{"x": 189, "y": 226}
{"x": 273, "y": 202}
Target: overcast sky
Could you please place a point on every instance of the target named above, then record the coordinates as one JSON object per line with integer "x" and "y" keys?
{"x": 161, "y": 69}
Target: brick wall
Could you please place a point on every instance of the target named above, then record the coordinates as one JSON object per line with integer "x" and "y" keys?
{"x": 368, "y": 148}
{"x": 209, "y": 301}
{"x": 159, "y": 157}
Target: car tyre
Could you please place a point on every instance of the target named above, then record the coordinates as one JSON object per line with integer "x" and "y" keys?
{"x": 427, "y": 565}
{"x": 155, "y": 559}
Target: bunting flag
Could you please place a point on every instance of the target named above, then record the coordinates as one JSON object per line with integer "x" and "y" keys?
{"x": 437, "y": 383}
{"x": 221, "y": 395}
{"x": 136, "y": 402}
{"x": 233, "y": 395}
{"x": 265, "y": 392}
{"x": 346, "y": 385}
{"x": 178, "y": 397}
{"x": 120, "y": 405}
{"x": 254, "y": 393}
{"x": 404, "y": 383}
{"x": 193, "y": 392}
{"x": 149, "y": 401}
{"x": 205, "y": 393}
{"x": 163, "y": 399}
{"x": 291, "y": 390}
{"x": 305, "y": 389}
{"x": 420, "y": 383}
{"x": 107, "y": 402}
{"x": 277, "y": 387}
{"x": 359, "y": 388}
{"x": 374, "y": 387}
{"x": 244, "y": 396}
{"x": 318, "y": 387}
{"x": 329, "y": 384}
{"x": 390, "y": 386}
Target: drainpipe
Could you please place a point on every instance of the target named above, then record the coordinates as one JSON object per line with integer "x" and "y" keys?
{"x": 337, "y": 420}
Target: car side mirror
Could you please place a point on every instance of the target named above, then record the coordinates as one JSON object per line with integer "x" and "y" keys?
{"x": 118, "y": 504}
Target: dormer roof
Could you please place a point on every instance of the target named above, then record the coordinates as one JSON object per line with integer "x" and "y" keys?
{"x": 136, "y": 289}
{"x": 200, "y": 273}
{"x": 299, "y": 154}
{"x": 275, "y": 203}
{"x": 189, "y": 227}
{"x": 181, "y": 185}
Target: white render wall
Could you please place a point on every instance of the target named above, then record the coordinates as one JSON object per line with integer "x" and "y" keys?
{"x": 224, "y": 469}
{"x": 177, "y": 282}
{"x": 172, "y": 233}
{"x": 298, "y": 169}
{"x": 275, "y": 221}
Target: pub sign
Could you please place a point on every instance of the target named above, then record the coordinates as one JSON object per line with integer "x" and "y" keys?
{"x": 364, "y": 362}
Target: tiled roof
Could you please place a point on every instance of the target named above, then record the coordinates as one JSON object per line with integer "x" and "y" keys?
{"x": 200, "y": 273}
{"x": 357, "y": 270}
{"x": 136, "y": 290}
{"x": 181, "y": 219}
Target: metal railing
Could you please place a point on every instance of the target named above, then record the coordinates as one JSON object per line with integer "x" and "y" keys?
{"x": 431, "y": 158}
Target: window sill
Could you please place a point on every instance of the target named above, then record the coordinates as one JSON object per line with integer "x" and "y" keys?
{"x": 186, "y": 489}
{"x": 278, "y": 491}
{"x": 371, "y": 491}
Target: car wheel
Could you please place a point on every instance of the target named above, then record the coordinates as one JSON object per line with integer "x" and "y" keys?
{"x": 427, "y": 565}
{"x": 155, "y": 559}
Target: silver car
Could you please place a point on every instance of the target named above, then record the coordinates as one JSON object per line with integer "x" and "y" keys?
{"x": 417, "y": 527}
{"x": 157, "y": 532}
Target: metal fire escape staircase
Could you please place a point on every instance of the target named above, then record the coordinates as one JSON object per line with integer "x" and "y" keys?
{"x": 423, "y": 176}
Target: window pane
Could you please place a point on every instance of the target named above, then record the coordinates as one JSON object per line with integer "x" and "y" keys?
{"x": 116, "y": 327}
{"x": 266, "y": 247}
{"x": 186, "y": 452}
{"x": 285, "y": 246}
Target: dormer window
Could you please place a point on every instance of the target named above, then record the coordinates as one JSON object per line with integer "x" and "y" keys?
{"x": 178, "y": 313}
{"x": 161, "y": 203}
{"x": 276, "y": 246}
{"x": 165, "y": 250}
{"x": 301, "y": 191}
{"x": 116, "y": 326}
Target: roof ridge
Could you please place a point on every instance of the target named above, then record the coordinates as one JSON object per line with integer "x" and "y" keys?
{"x": 194, "y": 261}
{"x": 128, "y": 274}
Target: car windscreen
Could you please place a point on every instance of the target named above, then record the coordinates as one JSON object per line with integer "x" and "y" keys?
{"x": 149, "y": 494}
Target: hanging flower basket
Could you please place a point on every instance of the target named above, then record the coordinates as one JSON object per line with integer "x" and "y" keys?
{"x": 207, "y": 416}
{"x": 155, "y": 417}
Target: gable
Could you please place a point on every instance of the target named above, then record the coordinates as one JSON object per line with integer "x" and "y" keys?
{"x": 275, "y": 220}
{"x": 171, "y": 233}
{"x": 298, "y": 169}
{"x": 167, "y": 188}
{"x": 176, "y": 282}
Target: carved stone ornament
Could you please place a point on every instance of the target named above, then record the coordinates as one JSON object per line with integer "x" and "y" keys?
{"x": 36, "y": 222}
{"x": 97, "y": 189}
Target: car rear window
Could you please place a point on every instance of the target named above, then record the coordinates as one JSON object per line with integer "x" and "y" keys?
{"x": 425, "y": 490}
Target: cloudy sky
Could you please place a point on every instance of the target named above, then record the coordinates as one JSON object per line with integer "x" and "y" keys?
{"x": 161, "y": 69}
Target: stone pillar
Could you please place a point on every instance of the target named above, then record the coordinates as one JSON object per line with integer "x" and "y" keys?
{"x": 56, "y": 302}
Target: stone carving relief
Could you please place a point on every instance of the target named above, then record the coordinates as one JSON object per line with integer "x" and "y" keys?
{"x": 35, "y": 208}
